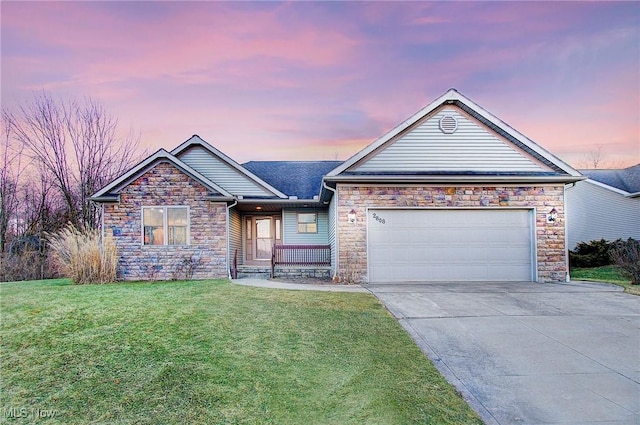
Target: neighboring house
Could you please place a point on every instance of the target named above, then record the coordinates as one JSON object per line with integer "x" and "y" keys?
{"x": 605, "y": 206}
{"x": 450, "y": 194}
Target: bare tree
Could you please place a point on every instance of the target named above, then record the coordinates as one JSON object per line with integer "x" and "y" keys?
{"x": 12, "y": 166}
{"x": 597, "y": 159}
{"x": 594, "y": 157}
{"x": 78, "y": 145}
{"x": 99, "y": 154}
{"x": 42, "y": 209}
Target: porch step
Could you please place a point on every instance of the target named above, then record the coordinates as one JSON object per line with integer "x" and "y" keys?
{"x": 299, "y": 272}
{"x": 291, "y": 272}
{"x": 254, "y": 272}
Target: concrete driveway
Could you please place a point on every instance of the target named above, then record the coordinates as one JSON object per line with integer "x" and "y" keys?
{"x": 529, "y": 353}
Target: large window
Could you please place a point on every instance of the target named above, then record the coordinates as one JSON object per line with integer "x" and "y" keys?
{"x": 165, "y": 225}
{"x": 307, "y": 222}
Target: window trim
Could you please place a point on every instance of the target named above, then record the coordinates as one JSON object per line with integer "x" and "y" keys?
{"x": 305, "y": 224}
{"x": 165, "y": 224}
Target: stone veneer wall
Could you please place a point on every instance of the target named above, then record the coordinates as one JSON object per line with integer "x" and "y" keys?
{"x": 550, "y": 237}
{"x": 165, "y": 185}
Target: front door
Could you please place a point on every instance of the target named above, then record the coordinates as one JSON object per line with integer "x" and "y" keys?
{"x": 262, "y": 232}
{"x": 264, "y": 238}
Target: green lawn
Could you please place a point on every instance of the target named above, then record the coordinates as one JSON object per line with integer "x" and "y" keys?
{"x": 607, "y": 274}
{"x": 211, "y": 352}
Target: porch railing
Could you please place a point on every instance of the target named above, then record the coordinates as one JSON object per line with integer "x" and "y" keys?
{"x": 300, "y": 255}
{"x": 234, "y": 268}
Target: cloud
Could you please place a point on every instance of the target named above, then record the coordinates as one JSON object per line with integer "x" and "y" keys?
{"x": 303, "y": 78}
{"x": 206, "y": 43}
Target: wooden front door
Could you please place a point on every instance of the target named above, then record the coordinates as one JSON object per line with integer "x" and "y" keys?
{"x": 262, "y": 232}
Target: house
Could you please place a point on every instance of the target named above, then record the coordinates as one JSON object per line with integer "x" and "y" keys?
{"x": 450, "y": 194}
{"x": 604, "y": 206}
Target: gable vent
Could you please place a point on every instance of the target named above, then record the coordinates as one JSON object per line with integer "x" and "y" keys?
{"x": 448, "y": 124}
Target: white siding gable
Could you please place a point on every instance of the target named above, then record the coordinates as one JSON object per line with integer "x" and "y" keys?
{"x": 470, "y": 148}
{"x": 219, "y": 172}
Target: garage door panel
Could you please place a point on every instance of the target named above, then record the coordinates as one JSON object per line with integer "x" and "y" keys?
{"x": 450, "y": 245}
{"x": 398, "y": 255}
{"x": 416, "y": 256}
{"x": 420, "y": 234}
{"x": 511, "y": 252}
{"x": 476, "y": 255}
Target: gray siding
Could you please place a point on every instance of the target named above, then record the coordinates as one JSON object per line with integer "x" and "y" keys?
{"x": 221, "y": 173}
{"x": 290, "y": 235}
{"x": 470, "y": 148}
{"x": 235, "y": 236}
{"x": 595, "y": 212}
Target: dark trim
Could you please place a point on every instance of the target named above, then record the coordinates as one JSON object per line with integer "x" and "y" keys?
{"x": 453, "y": 179}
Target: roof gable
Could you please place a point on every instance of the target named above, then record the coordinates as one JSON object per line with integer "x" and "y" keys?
{"x": 425, "y": 147}
{"x": 111, "y": 191}
{"x": 224, "y": 171}
{"x": 469, "y": 141}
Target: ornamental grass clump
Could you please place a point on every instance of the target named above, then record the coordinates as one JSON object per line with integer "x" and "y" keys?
{"x": 82, "y": 257}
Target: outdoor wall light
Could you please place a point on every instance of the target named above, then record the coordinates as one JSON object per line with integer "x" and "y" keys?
{"x": 352, "y": 216}
{"x": 552, "y": 217}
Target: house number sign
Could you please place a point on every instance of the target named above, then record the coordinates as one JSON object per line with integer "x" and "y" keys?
{"x": 379, "y": 219}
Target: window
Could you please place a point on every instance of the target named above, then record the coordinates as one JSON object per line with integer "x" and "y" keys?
{"x": 153, "y": 223}
{"x": 307, "y": 223}
{"x": 177, "y": 224}
{"x": 165, "y": 225}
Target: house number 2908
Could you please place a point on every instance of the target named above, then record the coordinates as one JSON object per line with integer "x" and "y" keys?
{"x": 377, "y": 218}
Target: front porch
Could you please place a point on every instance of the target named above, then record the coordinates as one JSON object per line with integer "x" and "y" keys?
{"x": 279, "y": 241}
{"x": 289, "y": 262}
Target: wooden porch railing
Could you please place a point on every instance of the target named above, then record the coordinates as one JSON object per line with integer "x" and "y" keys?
{"x": 300, "y": 255}
{"x": 234, "y": 267}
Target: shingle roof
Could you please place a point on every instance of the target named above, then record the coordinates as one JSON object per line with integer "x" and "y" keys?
{"x": 294, "y": 178}
{"x": 627, "y": 179}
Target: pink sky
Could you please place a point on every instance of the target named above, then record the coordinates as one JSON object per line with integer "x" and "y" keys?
{"x": 321, "y": 80}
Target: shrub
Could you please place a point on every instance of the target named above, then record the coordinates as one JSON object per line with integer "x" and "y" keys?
{"x": 82, "y": 257}
{"x": 591, "y": 254}
{"x": 626, "y": 255}
{"x": 186, "y": 267}
{"x": 26, "y": 265}
{"x": 26, "y": 243}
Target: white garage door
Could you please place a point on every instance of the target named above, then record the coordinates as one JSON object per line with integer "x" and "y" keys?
{"x": 450, "y": 245}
